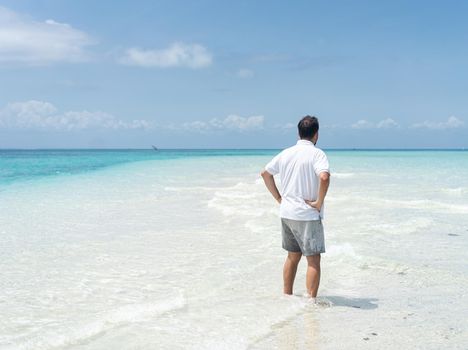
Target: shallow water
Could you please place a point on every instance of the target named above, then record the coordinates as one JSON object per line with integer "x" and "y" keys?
{"x": 184, "y": 251}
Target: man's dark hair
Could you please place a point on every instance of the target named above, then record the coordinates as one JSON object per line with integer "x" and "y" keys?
{"x": 308, "y": 127}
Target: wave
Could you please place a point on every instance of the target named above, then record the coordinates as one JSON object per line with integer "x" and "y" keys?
{"x": 241, "y": 199}
{"x": 122, "y": 315}
{"x": 459, "y": 191}
{"x": 426, "y": 204}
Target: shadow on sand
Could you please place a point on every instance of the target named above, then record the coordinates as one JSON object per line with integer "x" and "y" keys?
{"x": 358, "y": 303}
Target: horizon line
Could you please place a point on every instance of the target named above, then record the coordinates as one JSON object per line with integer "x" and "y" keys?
{"x": 229, "y": 149}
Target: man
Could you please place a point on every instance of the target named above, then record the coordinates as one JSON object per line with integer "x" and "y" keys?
{"x": 305, "y": 176}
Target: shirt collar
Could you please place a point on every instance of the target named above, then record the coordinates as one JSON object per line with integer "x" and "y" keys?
{"x": 304, "y": 142}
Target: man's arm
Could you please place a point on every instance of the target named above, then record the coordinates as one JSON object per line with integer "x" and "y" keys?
{"x": 271, "y": 185}
{"x": 322, "y": 191}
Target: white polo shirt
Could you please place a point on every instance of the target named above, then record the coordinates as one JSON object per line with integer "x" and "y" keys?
{"x": 299, "y": 167}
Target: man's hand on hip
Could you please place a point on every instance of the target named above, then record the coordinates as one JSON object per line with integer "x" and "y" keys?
{"x": 314, "y": 204}
{"x": 322, "y": 191}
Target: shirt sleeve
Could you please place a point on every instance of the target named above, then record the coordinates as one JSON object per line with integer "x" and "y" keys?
{"x": 321, "y": 163}
{"x": 273, "y": 166}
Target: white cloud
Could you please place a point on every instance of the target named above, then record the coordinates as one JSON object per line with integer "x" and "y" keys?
{"x": 176, "y": 55}
{"x": 387, "y": 123}
{"x": 383, "y": 124}
{"x": 362, "y": 124}
{"x": 245, "y": 73}
{"x": 231, "y": 122}
{"x": 27, "y": 41}
{"x": 241, "y": 123}
{"x": 451, "y": 123}
{"x": 41, "y": 115}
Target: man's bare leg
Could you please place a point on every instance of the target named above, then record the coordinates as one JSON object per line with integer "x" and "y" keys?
{"x": 289, "y": 271}
{"x": 313, "y": 275}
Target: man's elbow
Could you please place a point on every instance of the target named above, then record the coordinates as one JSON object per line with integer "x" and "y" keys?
{"x": 265, "y": 174}
{"x": 324, "y": 176}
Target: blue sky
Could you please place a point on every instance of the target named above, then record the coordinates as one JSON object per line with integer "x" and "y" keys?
{"x": 232, "y": 74}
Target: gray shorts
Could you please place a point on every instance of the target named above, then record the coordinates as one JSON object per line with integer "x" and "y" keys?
{"x": 303, "y": 236}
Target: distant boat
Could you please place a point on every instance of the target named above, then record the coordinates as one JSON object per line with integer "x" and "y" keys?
{"x": 154, "y": 147}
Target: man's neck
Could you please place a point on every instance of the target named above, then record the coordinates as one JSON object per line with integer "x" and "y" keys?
{"x": 309, "y": 140}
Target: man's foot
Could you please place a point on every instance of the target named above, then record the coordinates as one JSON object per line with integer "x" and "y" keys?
{"x": 318, "y": 301}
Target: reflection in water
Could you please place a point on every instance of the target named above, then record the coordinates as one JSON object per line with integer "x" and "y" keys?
{"x": 300, "y": 332}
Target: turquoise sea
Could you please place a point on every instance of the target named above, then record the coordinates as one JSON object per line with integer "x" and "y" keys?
{"x": 24, "y": 165}
{"x": 181, "y": 249}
